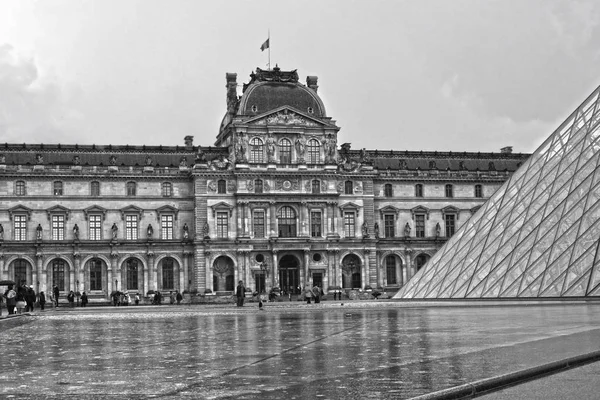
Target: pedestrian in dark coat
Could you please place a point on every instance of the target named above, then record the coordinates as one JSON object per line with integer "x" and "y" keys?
{"x": 84, "y": 299}
{"x": 179, "y": 297}
{"x": 29, "y": 299}
{"x": 11, "y": 299}
{"x": 56, "y": 294}
{"x": 71, "y": 299}
{"x": 240, "y": 294}
{"x": 42, "y": 300}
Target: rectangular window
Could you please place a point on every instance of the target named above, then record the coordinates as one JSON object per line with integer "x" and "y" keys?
{"x": 349, "y": 224}
{"x": 58, "y": 188}
{"x": 390, "y": 266}
{"x": 95, "y": 275}
{"x": 315, "y": 223}
{"x": 166, "y": 225}
{"x": 258, "y": 222}
{"x": 450, "y": 224}
{"x": 478, "y": 191}
{"x": 95, "y": 225}
{"x": 20, "y": 188}
{"x": 167, "y": 189}
{"x": 131, "y": 189}
{"x": 131, "y": 227}
{"x": 20, "y": 227}
{"x": 420, "y": 226}
{"x": 58, "y": 227}
{"x": 222, "y": 225}
{"x": 389, "y": 223}
{"x": 95, "y": 189}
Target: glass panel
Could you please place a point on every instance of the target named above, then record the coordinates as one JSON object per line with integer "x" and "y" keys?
{"x": 579, "y": 288}
{"x": 533, "y": 289}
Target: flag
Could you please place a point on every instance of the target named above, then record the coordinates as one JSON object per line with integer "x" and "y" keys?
{"x": 265, "y": 45}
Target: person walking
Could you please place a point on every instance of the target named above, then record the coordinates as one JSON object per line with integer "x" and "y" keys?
{"x": 240, "y": 293}
{"x": 317, "y": 293}
{"x": 71, "y": 299}
{"x": 172, "y": 297}
{"x": 11, "y": 299}
{"x": 84, "y": 299}
{"x": 137, "y": 299}
{"x": 178, "y": 297}
{"x": 1, "y": 301}
{"x": 42, "y": 300}
{"x": 56, "y": 294}
{"x": 29, "y": 299}
{"x": 308, "y": 294}
{"x": 21, "y": 304}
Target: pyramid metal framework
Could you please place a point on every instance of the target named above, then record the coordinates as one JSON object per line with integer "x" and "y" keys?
{"x": 538, "y": 235}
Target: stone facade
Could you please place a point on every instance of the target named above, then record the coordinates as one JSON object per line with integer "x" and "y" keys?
{"x": 275, "y": 203}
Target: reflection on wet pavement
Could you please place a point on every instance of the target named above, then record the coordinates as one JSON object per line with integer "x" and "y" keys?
{"x": 294, "y": 353}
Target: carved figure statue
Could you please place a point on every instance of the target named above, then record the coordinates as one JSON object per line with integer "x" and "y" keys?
{"x": 402, "y": 164}
{"x": 300, "y": 147}
{"x": 113, "y": 160}
{"x": 150, "y": 231}
{"x": 329, "y": 149}
{"x": 376, "y": 229}
{"x": 1, "y": 232}
{"x": 407, "y": 230}
{"x": 114, "y": 230}
{"x": 364, "y": 156}
{"x": 183, "y": 161}
{"x": 206, "y": 230}
{"x": 270, "y": 147}
{"x": 186, "y": 232}
{"x": 438, "y": 229}
{"x": 365, "y": 229}
{"x": 2, "y": 159}
{"x": 39, "y": 158}
{"x": 148, "y": 161}
{"x": 76, "y": 160}
{"x": 200, "y": 156}
{"x": 491, "y": 166}
{"x": 241, "y": 150}
{"x": 76, "y": 232}
{"x": 38, "y": 232}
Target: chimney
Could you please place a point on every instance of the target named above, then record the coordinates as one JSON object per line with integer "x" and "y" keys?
{"x": 189, "y": 142}
{"x": 506, "y": 150}
{"x": 311, "y": 82}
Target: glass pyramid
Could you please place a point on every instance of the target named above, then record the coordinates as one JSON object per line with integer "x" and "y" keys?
{"x": 538, "y": 235}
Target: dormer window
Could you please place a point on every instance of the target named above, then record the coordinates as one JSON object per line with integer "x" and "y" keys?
{"x": 311, "y": 110}
{"x": 254, "y": 108}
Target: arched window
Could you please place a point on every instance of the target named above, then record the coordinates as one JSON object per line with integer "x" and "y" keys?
{"x": 256, "y": 151}
{"x": 449, "y": 190}
{"x": 132, "y": 274}
{"x": 421, "y": 260}
{"x": 221, "y": 186}
{"x": 286, "y": 221}
{"x": 316, "y": 186}
{"x": 58, "y": 274}
{"x": 478, "y": 191}
{"x": 418, "y": 190}
{"x": 314, "y": 151}
{"x": 20, "y": 271}
{"x": 258, "y": 186}
{"x": 95, "y": 266}
{"x": 285, "y": 151}
{"x": 95, "y": 189}
{"x": 390, "y": 268}
{"x": 168, "y": 275}
{"x": 131, "y": 189}
{"x": 348, "y": 187}
{"x": 167, "y": 189}
{"x": 388, "y": 191}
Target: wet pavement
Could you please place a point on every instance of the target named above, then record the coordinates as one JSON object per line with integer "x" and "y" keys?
{"x": 294, "y": 351}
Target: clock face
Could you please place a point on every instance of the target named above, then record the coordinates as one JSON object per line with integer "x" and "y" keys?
{"x": 287, "y": 185}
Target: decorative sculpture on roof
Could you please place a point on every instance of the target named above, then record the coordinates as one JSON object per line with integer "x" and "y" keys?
{"x": 113, "y": 160}
{"x": 200, "y": 156}
{"x": 183, "y": 162}
{"x": 241, "y": 149}
{"x": 491, "y": 166}
{"x": 285, "y": 117}
{"x": 220, "y": 163}
{"x": 2, "y": 159}
{"x": 364, "y": 156}
{"x": 39, "y": 158}
{"x": 329, "y": 147}
{"x": 461, "y": 166}
{"x": 402, "y": 164}
{"x": 432, "y": 165}
{"x": 274, "y": 75}
{"x": 76, "y": 160}
{"x": 148, "y": 161}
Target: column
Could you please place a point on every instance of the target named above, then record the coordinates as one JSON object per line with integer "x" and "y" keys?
{"x": 42, "y": 278}
{"x": 153, "y": 279}
{"x": 208, "y": 270}
{"x": 338, "y": 269}
{"x": 72, "y": 275}
{"x": 247, "y": 269}
{"x": 35, "y": 273}
{"x": 275, "y": 270}
{"x": 304, "y": 221}
{"x": 273, "y": 211}
{"x": 380, "y": 270}
{"x": 3, "y": 274}
{"x": 78, "y": 273}
{"x": 330, "y": 269}
{"x": 306, "y": 273}
{"x": 109, "y": 273}
{"x": 364, "y": 274}
{"x": 247, "y": 220}
{"x": 183, "y": 271}
{"x": 409, "y": 266}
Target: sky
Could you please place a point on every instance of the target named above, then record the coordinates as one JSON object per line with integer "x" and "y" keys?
{"x": 460, "y": 75}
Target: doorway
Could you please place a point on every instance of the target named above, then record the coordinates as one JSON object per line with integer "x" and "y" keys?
{"x": 317, "y": 278}
{"x": 289, "y": 275}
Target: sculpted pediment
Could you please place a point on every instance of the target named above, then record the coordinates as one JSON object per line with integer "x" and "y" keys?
{"x": 286, "y": 116}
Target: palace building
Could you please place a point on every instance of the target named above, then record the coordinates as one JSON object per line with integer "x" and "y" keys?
{"x": 278, "y": 201}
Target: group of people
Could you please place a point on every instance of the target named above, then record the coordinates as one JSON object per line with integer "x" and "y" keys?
{"x": 71, "y": 297}
{"x": 315, "y": 293}
{"x": 23, "y": 298}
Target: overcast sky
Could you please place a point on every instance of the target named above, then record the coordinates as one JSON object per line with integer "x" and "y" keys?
{"x": 405, "y": 75}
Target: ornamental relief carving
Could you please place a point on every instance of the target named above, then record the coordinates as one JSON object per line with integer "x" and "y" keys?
{"x": 231, "y": 186}
{"x": 287, "y": 184}
{"x": 212, "y": 186}
{"x": 285, "y": 117}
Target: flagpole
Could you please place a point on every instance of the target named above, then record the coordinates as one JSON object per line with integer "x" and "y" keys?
{"x": 269, "y": 41}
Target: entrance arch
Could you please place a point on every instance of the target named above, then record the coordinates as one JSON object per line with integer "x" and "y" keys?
{"x": 289, "y": 274}
{"x": 351, "y": 272}
{"x": 223, "y": 279}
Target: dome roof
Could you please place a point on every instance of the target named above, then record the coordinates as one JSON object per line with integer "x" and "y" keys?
{"x": 272, "y": 89}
